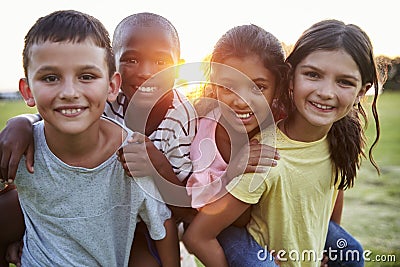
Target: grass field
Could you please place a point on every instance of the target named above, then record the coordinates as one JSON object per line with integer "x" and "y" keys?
{"x": 372, "y": 207}
{"x": 13, "y": 108}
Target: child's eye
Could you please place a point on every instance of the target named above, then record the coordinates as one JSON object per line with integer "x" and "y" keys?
{"x": 312, "y": 74}
{"x": 87, "y": 77}
{"x": 129, "y": 60}
{"x": 346, "y": 83}
{"x": 161, "y": 62}
{"x": 133, "y": 61}
{"x": 50, "y": 78}
{"x": 259, "y": 88}
{"x": 164, "y": 61}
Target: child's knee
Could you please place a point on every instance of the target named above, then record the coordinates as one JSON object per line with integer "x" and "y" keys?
{"x": 188, "y": 241}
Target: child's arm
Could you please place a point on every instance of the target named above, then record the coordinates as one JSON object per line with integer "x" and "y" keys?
{"x": 168, "y": 247}
{"x": 200, "y": 237}
{"x": 16, "y": 139}
{"x": 338, "y": 208}
{"x": 12, "y": 225}
{"x": 335, "y": 217}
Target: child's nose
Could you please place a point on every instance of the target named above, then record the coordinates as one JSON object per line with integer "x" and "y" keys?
{"x": 327, "y": 90}
{"x": 241, "y": 98}
{"x": 68, "y": 90}
{"x": 147, "y": 69}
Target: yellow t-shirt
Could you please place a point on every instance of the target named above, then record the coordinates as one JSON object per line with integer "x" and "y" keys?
{"x": 294, "y": 201}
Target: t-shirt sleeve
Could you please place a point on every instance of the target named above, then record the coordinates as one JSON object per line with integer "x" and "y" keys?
{"x": 178, "y": 156}
{"x": 153, "y": 211}
{"x": 248, "y": 187}
{"x": 182, "y": 125}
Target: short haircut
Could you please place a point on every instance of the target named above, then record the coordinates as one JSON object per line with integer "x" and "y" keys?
{"x": 145, "y": 19}
{"x": 68, "y": 26}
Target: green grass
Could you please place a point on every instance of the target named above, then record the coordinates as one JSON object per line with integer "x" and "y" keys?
{"x": 13, "y": 108}
{"x": 388, "y": 150}
{"x": 372, "y": 208}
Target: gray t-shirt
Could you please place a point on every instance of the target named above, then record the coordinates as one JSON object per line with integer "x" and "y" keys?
{"x": 83, "y": 217}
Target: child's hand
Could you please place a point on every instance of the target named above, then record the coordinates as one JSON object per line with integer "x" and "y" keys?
{"x": 16, "y": 139}
{"x": 257, "y": 158}
{"x": 138, "y": 155}
{"x": 324, "y": 261}
{"x": 14, "y": 253}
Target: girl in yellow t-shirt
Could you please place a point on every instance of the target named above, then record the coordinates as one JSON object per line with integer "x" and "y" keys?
{"x": 320, "y": 144}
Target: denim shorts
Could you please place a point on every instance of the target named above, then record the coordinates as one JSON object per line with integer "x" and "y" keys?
{"x": 342, "y": 248}
{"x": 242, "y": 250}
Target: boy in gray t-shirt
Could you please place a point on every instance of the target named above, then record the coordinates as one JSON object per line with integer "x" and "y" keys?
{"x": 83, "y": 216}
{"x": 80, "y": 209}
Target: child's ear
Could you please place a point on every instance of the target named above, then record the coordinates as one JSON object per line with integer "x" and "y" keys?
{"x": 364, "y": 89}
{"x": 26, "y": 92}
{"x": 362, "y": 92}
{"x": 113, "y": 88}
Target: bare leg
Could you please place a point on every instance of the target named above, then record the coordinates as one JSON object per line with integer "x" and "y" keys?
{"x": 140, "y": 255}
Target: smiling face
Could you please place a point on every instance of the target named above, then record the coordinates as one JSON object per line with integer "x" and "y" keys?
{"x": 145, "y": 51}
{"x": 245, "y": 97}
{"x": 69, "y": 83}
{"x": 325, "y": 86}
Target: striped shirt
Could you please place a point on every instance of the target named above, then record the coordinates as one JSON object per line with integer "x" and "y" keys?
{"x": 174, "y": 134}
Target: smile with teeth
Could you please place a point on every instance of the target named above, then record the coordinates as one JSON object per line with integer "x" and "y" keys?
{"x": 70, "y": 111}
{"x": 324, "y": 107}
{"x": 147, "y": 89}
{"x": 244, "y": 115}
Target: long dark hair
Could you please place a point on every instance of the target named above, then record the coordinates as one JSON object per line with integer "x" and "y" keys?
{"x": 346, "y": 137}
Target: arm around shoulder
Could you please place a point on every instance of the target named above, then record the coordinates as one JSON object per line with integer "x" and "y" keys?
{"x": 16, "y": 139}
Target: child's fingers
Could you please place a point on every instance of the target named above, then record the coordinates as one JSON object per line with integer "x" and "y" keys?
{"x": 133, "y": 148}
{"x": 4, "y": 160}
{"x": 137, "y": 138}
{"x": 267, "y": 162}
{"x": 126, "y": 169}
{"x": 263, "y": 151}
{"x": 121, "y": 156}
{"x": 119, "y": 153}
{"x": 256, "y": 169}
{"x": 30, "y": 152}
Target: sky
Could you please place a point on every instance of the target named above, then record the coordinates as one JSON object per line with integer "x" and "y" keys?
{"x": 201, "y": 23}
